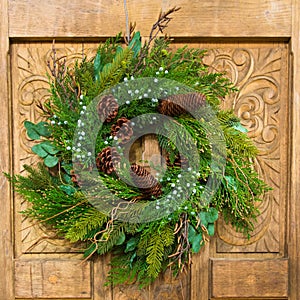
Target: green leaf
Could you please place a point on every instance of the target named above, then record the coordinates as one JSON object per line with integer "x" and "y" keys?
{"x": 67, "y": 178}
{"x": 132, "y": 259}
{"x": 135, "y": 44}
{"x": 191, "y": 233}
{"x": 196, "y": 244}
{"x": 90, "y": 250}
{"x": 106, "y": 67}
{"x": 68, "y": 189}
{"x": 240, "y": 127}
{"x": 212, "y": 215}
{"x": 131, "y": 244}
{"x": 211, "y": 229}
{"x": 43, "y": 129}
{"x": 44, "y": 148}
{"x": 47, "y": 146}
{"x": 39, "y": 150}
{"x": 31, "y": 130}
{"x": 231, "y": 182}
{"x": 121, "y": 239}
{"x": 35, "y": 131}
{"x": 203, "y": 218}
{"x": 51, "y": 161}
{"x": 194, "y": 238}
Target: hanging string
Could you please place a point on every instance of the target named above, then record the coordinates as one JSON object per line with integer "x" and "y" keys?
{"x": 127, "y": 21}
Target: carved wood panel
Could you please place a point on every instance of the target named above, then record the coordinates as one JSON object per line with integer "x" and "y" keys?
{"x": 31, "y": 87}
{"x": 261, "y": 102}
{"x": 259, "y": 72}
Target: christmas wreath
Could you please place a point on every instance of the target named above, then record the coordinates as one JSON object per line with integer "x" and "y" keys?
{"x": 90, "y": 189}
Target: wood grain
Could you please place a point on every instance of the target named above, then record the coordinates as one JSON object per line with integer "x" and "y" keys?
{"x": 52, "y": 279}
{"x": 206, "y": 18}
{"x": 100, "y": 271}
{"x": 200, "y": 274}
{"x": 249, "y": 278}
{"x": 294, "y": 208}
{"x": 6, "y": 246}
{"x": 260, "y": 72}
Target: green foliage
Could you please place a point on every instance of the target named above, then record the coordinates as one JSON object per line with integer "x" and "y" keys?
{"x": 195, "y": 238}
{"x": 35, "y": 131}
{"x": 92, "y": 221}
{"x": 158, "y": 241}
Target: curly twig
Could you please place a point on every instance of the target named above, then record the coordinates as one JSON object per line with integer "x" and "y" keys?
{"x": 158, "y": 27}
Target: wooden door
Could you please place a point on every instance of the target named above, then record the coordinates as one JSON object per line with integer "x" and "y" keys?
{"x": 257, "y": 44}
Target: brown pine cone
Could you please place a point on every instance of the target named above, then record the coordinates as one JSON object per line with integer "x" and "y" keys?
{"x": 175, "y": 105}
{"x": 107, "y": 159}
{"x": 180, "y": 161}
{"x": 74, "y": 177}
{"x": 122, "y": 130}
{"x": 148, "y": 185}
{"x": 107, "y": 108}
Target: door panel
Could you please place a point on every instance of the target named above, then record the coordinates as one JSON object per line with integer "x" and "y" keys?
{"x": 260, "y": 73}
{"x": 230, "y": 266}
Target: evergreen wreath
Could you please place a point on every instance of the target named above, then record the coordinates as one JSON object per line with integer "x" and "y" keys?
{"x": 141, "y": 250}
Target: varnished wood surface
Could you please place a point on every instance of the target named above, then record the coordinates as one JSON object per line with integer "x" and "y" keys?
{"x": 294, "y": 207}
{"x": 249, "y": 278}
{"x": 6, "y": 243}
{"x": 220, "y": 22}
{"x": 205, "y": 18}
{"x": 52, "y": 279}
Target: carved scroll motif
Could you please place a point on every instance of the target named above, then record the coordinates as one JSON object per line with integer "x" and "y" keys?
{"x": 257, "y": 73}
{"x": 259, "y": 103}
{"x": 31, "y": 86}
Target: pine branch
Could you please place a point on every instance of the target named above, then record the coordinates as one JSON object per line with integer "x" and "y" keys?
{"x": 86, "y": 226}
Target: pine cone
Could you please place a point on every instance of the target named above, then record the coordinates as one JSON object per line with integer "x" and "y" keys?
{"x": 148, "y": 185}
{"x": 180, "y": 161}
{"x": 107, "y": 108}
{"x": 122, "y": 130}
{"x": 74, "y": 177}
{"x": 107, "y": 159}
{"x": 175, "y": 105}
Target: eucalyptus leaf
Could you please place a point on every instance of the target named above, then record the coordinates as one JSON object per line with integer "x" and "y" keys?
{"x": 211, "y": 229}
{"x": 68, "y": 189}
{"x": 39, "y": 150}
{"x": 231, "y": 182}
{"x": 131, "y": 244}
{"x": 51, "y": 161}
{"x": 240, "y": 127}
{"x": 49, "y": 148}
{"x": 35, "y": 131}
{"x": 31, "y": 130}
{"x": 203, "y": 218}
{"x": 135, "y": 44}
{"x": 196, "y": 244}
{"x": 121, "y": 239}
{"x": 43, "y": 129}
{"x": 132, "y": 259}
{"x": 191, "y": 233}
{"x": 212, "y": 215}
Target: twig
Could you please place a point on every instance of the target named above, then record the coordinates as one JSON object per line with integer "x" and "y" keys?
{"x": 158, "y": 27}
